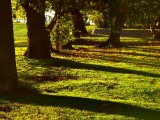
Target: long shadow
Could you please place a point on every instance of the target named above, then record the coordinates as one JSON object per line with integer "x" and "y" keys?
{"x": 95, "y": 35}
{"x": 93, "y": 105}
{"x": 129, "y": 53}
{"x": 141, "y": 44}
{"x": 57, "y": 62}
{"x": 147, "y": 49}
{"x": 82, "y": 41}
{"x": 118, "y": 59}
{"x": 133, "y": 61}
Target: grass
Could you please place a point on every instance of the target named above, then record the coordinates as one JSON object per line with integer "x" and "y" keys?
{"x": 87, "y": 83}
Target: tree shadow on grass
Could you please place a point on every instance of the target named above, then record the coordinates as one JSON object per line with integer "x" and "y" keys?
{"x": 57, "y": 62}
{"x": 111, "y": 58}
{"x": 128, "y": 53}
{"x": 93, "y": 105}
{"x": 151, "y": 50}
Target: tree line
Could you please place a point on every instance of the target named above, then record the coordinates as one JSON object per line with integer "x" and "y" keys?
{"x": 115, "y": 14}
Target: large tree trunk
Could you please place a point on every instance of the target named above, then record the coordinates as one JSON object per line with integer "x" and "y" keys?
{"x": 38, "y": 40}
{"x": 78, "y": 21}
{"x": 8, "y": 71}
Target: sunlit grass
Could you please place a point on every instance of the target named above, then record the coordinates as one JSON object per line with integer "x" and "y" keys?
{"x": 88, "y": 83}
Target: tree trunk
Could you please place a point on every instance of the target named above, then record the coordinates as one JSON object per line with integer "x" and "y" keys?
{"x": 114, "y": 38}
{"x": 49, "y": 29}
{"x": 38, "y": 40}
{"x": 8, "y": 71}
{"x": 154, "y": 27}
{"x": 78, "y": 21}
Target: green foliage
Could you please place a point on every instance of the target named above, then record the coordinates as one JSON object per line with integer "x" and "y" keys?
{"x": 17, "y": 11}
{"x": 143, "y": 12}
{"x": 98, "y": 18}
{"x": 64, "y": 34}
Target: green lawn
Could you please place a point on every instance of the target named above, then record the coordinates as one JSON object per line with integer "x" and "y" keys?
{"x": 87, "y": 83}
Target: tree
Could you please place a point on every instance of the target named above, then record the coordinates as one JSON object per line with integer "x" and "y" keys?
{"x": 64, "y": 10}
{"x": 117, "y": 16}
{"x": 8, "y": 72}
{"x": 99, "y": 18}
{"x": 38, "y": 40}
{"x": 39, "y": 44}
{"x": 145, "y": 13}
{"x": 73, "y": 7}
{"x": 78, "y": 21}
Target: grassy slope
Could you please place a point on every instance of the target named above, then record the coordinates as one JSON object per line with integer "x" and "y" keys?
{"x": 87, "y": 83}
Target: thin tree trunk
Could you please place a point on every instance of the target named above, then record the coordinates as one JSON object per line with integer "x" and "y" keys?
{"x": 8, "y": 71}
{"x": 78, "y": 27}
{"x": 52, "y": 23}
{"x": 49, "y": 28}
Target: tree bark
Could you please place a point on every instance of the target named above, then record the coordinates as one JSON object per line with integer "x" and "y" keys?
{"x": 8, "y": 71}
{"x": 118, "y": 23}
{"x": 52, "y": 23}
{"x": 154, "y": 27}
{"x": 113, "y": 41}
{"x": 78, "y": 21}
{"x": 114, "y": 38}
{"x": 38, "y": 40}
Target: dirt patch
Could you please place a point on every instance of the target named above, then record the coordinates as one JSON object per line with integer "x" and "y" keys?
{"x": 5, "y": 108}
{"x": 52, "y": 78}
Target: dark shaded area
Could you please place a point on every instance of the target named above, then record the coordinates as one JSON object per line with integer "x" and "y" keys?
{"x": 118, "y": 58}
{"x": 147, "y": 41}
{"x": 5, "y": 108}
{"x": 32, "y": 97}
{"x": 45, "y": 78}
{"x": 105, "y": 44}
{"x": 57, "y": 62}
{"x": 142, "y": 43}
{"x": 133, "y": 61}
{"x": 129, "y": 53}
{"x": 153, "y": 50}
{"x": 94, "y": 35}
{"x": 81, "y": 41}
{"x": 109, "y": 56}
